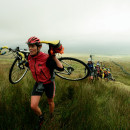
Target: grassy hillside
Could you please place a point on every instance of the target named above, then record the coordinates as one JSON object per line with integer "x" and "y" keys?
{"x": 78, "y": 105}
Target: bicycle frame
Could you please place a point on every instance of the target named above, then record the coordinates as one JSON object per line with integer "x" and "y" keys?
{"x": 21, "y": 54}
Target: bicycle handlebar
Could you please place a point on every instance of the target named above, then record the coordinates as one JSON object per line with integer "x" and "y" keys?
{"x": 17, "y": 50}
{"x": 1, "y": 48}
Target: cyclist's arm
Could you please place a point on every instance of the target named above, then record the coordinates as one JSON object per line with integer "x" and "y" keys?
{"x": 54, "y": 63}
{"x": 27, "y": 64}
{"x": 58, "y": 63}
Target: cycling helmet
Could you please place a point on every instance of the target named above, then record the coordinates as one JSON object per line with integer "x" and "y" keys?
{"x": 98, "y": 63}
{"x": 108, "y": 69}
{"x": 105, "y": 69}
{"x": 34, "y": 40}
{"x": 89, "y": 59}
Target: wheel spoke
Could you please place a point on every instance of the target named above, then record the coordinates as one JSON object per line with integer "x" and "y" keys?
{"x": 74, "y": 69}
{"x": 16, "y": 73}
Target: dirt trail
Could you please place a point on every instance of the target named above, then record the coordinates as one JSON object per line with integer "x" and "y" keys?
{"x": 121, "y": 67}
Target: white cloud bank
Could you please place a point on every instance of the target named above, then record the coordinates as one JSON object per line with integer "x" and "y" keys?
{"x": 84, "y": 22}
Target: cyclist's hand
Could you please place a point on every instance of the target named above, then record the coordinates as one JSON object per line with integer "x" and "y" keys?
{"x": 27, "y": 64}
{"x": 52, "y": 49}
{"x": 10, "y": 49}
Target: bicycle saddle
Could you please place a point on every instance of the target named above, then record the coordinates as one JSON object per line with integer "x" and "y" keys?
{"x": 56, "y": 42}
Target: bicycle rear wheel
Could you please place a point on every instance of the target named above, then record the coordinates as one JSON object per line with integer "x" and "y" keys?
{"x": 74, "y": 69}
{"x": 17, "y": 72}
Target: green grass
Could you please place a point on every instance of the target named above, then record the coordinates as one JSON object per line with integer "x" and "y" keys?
{"x": 78, "y": 105}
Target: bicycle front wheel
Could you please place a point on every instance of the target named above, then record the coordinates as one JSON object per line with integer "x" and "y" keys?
{"x": 17, "y": 72}
{"x": 74, "y": 69}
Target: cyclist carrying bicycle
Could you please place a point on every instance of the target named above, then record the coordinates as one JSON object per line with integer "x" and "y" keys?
{"x": 42, "y": 66}
{"x": 91, "y": 67}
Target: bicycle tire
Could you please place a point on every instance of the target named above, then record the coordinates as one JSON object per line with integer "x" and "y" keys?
{"x": 73, "y": 69}
{"x": 20, "y": 73}
{"x": 5, "y": 52}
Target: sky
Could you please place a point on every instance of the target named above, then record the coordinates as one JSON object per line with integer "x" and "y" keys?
{"x": 82, "y": 26}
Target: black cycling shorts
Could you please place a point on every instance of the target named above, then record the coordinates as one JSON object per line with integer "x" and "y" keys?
{"x": 39, "y": 89}
{"x": 105, "y": 76}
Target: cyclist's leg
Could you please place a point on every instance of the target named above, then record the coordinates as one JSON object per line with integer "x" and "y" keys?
{"x": 51, "y": 105}
{"x": 89, "y": 77}
{"x": 50, "y": 93}
{"x": 34, "y": 104}
{"x": 92, "y": 76}
{"x": 37, "y": 92}
{"x": 105, "y": 77}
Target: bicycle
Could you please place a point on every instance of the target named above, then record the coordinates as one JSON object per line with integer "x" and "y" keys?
{"x": 74, "y": 69}
{"x": 18, "y": 69}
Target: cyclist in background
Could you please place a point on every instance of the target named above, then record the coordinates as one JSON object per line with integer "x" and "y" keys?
{"x": 91, "y": 67}
{"x": 105, "y": 74}
{"x": 42, "y": 66}
{"x": 98, "y": 70}
{"x": 110, "y": 75}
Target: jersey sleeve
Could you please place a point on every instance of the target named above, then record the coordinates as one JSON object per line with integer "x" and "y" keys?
{"x": 51, "y": 64}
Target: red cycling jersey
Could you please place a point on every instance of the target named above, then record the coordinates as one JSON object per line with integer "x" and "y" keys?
{"x": 37, "y": 65}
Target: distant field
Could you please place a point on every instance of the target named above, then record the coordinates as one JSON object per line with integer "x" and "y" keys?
{"x": 98, "y": 57}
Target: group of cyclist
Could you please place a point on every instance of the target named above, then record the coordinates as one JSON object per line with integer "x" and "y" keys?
{"x": 98, "y": 71}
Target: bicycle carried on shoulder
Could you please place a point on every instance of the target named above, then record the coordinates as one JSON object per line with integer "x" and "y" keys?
{"x": 74, "y": 69}
{"x": 18, "y": 69}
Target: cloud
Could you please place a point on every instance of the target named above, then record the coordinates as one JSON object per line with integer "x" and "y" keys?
{"x": 73, "y": 22}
